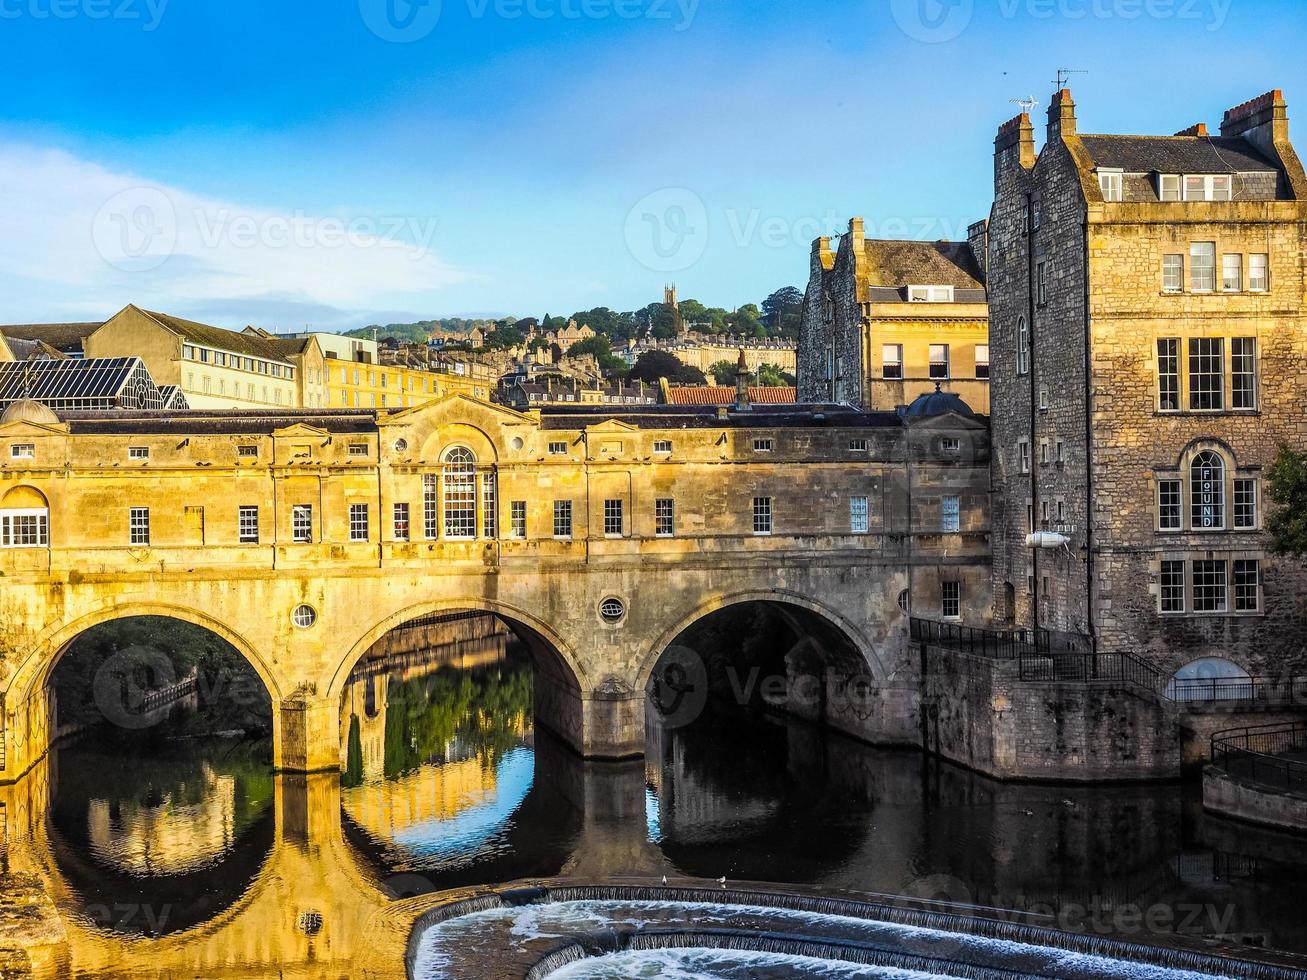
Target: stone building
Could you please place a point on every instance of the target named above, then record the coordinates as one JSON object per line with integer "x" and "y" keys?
{"x": 1147, "y": 328}
{"x": 885, "y": 321}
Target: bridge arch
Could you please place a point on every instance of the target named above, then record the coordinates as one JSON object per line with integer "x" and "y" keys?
{"x": 776, "y": 597}
{"x": 36, "y": 669}
{"x": 514, "y": 616}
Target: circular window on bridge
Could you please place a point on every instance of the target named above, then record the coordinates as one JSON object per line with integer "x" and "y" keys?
{"x": 401, "y": 445}
{"x": 612, "y": 610}
{"x": 517, "y": 442}
{"x": 304, "y": 616}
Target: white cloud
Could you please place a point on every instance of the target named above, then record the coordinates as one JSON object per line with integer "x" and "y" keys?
{"x": 82, "y": 240}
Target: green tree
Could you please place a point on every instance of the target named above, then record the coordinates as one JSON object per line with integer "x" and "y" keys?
{"x": 655, "y": 364}
{"x": 602, "y": 350}
{"x": 723, "y": 372}
{"x": 1287, "y": 490}
{"x": 771, "y": 376}
{"x": 785, "y": 302}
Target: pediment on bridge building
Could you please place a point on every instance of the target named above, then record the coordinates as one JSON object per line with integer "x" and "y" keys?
{"x": 947, "y": 420}
{"x": 611, "y": 425}
{"x": 458, "y": 407}
{"x": 300, "y": 430}
{"x": 19, "y": 429}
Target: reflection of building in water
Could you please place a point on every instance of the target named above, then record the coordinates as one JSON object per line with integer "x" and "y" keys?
{"x": 412, "y": 651}
{"x": 165, "y": 836}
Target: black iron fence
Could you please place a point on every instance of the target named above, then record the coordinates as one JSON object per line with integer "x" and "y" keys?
{"x": 1049, "y": 655}
{"x": 1274, "y": 756}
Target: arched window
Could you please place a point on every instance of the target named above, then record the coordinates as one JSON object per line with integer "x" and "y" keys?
{"x": 460, "y": 485}
{"x": 1210, "y": 679}
{"x": 1207, "y": 492}
{"x": 1023, "y": 346}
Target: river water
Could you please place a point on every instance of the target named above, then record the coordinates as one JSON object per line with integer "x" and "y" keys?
{"x": 163, "y": 854}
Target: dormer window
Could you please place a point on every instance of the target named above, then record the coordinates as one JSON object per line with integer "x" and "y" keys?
{"x": 1109, "y": 181}
{"x": 1195, "y": 187}
{"x": 930, "y": 294}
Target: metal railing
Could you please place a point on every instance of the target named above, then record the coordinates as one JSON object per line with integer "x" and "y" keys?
{"x": 1263, "y": 754}
{"x": 1049, "y": 655}
{"x": 164, "y": 696}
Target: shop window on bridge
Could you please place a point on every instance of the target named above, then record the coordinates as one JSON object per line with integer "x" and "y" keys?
{"x": 460, "y": 494}
{"x": 24, "y": 528}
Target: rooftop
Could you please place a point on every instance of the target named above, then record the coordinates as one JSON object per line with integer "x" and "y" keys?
{"x": 725, "y": 395}
{"x": 249, "y": 344}
{"x": 895, "y": 264}
{"x": 1177, "y": 154}
{"x": 65, "y": 337}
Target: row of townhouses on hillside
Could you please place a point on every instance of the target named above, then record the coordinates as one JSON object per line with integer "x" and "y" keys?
{"x": 1131, "y": 318}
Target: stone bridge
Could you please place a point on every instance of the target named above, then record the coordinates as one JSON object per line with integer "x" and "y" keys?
{"x": 303, "y": 538}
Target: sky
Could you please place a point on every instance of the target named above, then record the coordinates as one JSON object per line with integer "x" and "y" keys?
{"x": 338, "y": 163}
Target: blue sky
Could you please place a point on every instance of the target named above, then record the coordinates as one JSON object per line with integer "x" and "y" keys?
{"x": 338, "y": 164}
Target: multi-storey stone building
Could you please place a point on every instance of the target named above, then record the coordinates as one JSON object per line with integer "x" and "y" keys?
{"x": 886, "y": 321}
{"x": 1148, "y": 345}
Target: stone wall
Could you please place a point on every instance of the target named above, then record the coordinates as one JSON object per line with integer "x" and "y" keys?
{"x": 1231, "y": 797}
{"x": 978, "y": 712}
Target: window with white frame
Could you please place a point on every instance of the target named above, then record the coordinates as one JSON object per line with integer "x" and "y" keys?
{"x": 1243, "y": 373}
{"x": 614, "y": 525}
{"x": 1246, "y": 573}
{"x": 517, "y": 518}
{"x": 859, "y": 445}
{"x": 1245, "y": 504}
{"x": 662, "y": 446}
{"x": 430, "y": 506}
{"x": 1206, "y": 374}
{"x": 1169, "y": 511}
{"x": 951, "y": 600}
{"x": 950, "y": 515}
{"x": 460, "y": 494}
{"x": 358, "y": 522}
{"x": 858, "y": 515}
{"x": 358, "y": 448}
{"x": 1173, "y": 273}
{"x": 1109, "y": 182}
{"x": 1168, "y": 187}
{"x": 562, "y": 518}
{"x": 247, "y": 452}
{"x": 247, "y": 524}
{"x": 138, "y": 452}
{"x": 138, "y": 525}
{"x": 1023, "y": 346}
{"x": 930, "y": 294}
{"x": 891, "y": 361}
{"x": 1258, "y": 272}
{"x": 939, "y": 361}
{"x": 301, "y": 523}
{"x": 1231, "y": 272}
{"x": 1207, "y": 492}
{"x": 982, "y": 360}
{"x": 1023, "y": 456}
{"x": 763, "y": 445}
{"x": 1207, "y": 187}
{"x": 1041, "y": 283}
{"x": 490, "y": 504}
{"x": 762, "y": 515}
{"x": 558, "y": 449}
{"x": 27, "y": 527}
{"x": 401, "y": 528}
{"x": 1171, "y": 587}
{"x": 22, "y": 450}
{"x": 664, "y": 517}
{"x": 1209, "y": 586}
{"x": 1202, "y": 267}
{"x": 1168, "y": 374}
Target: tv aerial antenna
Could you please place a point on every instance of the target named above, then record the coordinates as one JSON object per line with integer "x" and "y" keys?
{"x": 1027, "y": 105}
{"x": 1064, "y": 76}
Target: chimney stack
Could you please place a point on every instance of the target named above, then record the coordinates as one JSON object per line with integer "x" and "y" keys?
{"x": 1197, "y": 129}
{"x": 1014, "y": 147}
{"x": 1061, "y": 115}
{"x": 1263, "y": 121}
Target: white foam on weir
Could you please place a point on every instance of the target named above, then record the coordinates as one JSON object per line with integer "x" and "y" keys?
{"x": 721, "y": 964}
{"x": 561, "y": 920}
